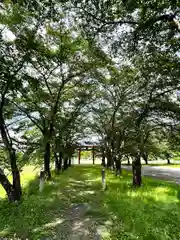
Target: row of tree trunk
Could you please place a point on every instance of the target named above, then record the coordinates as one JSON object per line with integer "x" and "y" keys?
{"x": 62, "y": 161}
{"x": 114, "y": 163}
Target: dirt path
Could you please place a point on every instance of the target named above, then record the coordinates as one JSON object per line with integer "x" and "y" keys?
{"x": 77, "y": 224}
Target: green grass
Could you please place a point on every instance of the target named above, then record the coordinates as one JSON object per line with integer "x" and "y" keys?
{"x": 172, "y": 165}
{"x": 28, "y": 173}
{"x": 164, "y": 165}
{"x": 149, "y": 213}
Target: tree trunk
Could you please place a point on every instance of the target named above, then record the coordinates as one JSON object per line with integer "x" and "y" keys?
{"x": 47, "y": 161}
{"x": 56, "y": 161}
{"x": 60, "y": 161}
{"x": 69, "y": 161}
{"x": 168, "y": 161}
{"x": 136, "y": 169}
{"x": 15, "y": 176}
{"x": 113, "y": 155}
{"x": 103, "y": 161}
{"x": 66, "y": 163}
{"x": 118, "y": 167}
{"x": 17, "y": 184}
{"x": 145, "y": 157}
{"x": 12, "y": 193}
{"x": 13, "y": 190}
{"x": 109, "y": 159}
{"x": 128, "y": 161}
{"x": 114, "y": 163}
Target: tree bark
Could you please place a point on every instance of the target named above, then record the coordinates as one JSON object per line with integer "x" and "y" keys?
{"x": 109, "y": 158}
{"x": 128, "y": 160}
{"x": 136, "y": 169}
{"x": 167, "y": 155}
{"x": 168, "y": 161}
{"x": 145, "y": 157}
{"x": 60, "y": 161}
{"x": 12, "y": 194}
{"x": 114, "y": 162}
{"x": 16, "y": 177}
{"x": 13, "y": 190}
{"x": 118, "y": 167}
{"x": 66, "y": 163}
{"x": 69, "y": 161}
{"x": 47, "y": 160}
{"x": 113, "y": 155}
{"x": 103, "y": 161}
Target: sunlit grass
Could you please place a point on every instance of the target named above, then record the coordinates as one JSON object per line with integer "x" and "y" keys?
{"x": 173, "y": 165}
{"x": 28, "y": 173}
{"x": 146, "y": 213}
{"x": 165, "y": 165}
{"x": 151, "y": 212}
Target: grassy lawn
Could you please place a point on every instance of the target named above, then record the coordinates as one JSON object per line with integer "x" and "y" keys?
{"x": 151, "y": 213}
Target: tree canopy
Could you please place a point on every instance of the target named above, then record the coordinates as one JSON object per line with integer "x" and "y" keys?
{"x": 70, "y": 67}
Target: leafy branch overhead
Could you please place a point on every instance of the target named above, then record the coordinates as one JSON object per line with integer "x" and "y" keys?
{"x": 74, "y": 69}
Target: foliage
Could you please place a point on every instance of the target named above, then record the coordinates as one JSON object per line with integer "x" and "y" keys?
{"x": 71, "y": 67}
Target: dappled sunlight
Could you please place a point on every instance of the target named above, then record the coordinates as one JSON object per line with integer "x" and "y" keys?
{"x": 163, "y": 194}
{"x": 159, "y": 194}
{"x": 73, "y": 203}
{"x": 90, "y": 181}
{"x": 78, "y": 226}
{"x": 81, "y": 193}
{"x": 151, "y": 211}
{"x": 72, "y": 180}
{"x": 5, "y": 231}
{"x": 49, "y": 225}
{"x": 104, "y": 232}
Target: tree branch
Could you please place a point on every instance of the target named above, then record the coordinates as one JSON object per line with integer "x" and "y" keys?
{"x": 33, "y": 120}
{"x": 110, "y": 22}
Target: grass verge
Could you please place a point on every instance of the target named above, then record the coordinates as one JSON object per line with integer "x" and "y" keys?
{"x": 173, "y": 165}
{"x": 164, "y": 165}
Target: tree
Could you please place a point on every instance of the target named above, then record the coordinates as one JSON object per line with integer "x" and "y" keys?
{"x": 11, "y": 65}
